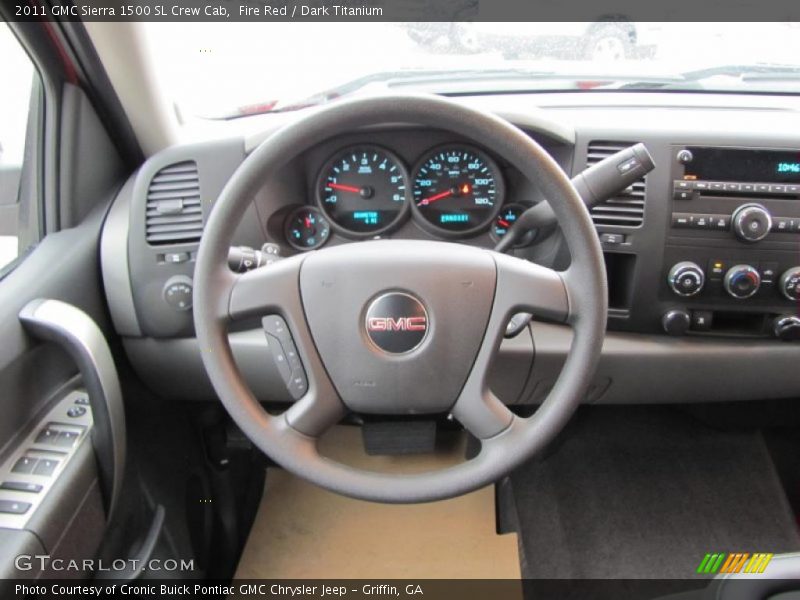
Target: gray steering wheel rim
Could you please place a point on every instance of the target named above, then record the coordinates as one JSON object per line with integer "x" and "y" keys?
{"x": 585, "y": 281}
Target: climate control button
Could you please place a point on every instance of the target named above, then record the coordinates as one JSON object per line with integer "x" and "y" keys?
{"x": 742, "y": 281}
{"x": 686, "y": 279}
{"x": 790, "y": 283}
{"x": 751, "y": 222}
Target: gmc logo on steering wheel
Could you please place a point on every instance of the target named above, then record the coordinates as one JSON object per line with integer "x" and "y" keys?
{"x": 399, "y": 324}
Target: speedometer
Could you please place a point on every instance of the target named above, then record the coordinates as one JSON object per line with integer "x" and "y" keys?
{"x": 457, "y": 190}
{"x": 363, "y": 190}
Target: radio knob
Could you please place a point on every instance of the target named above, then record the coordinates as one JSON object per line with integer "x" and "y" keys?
{"x": 790, "y": 283}
{"x": 742, "y": 281}
{"x": 686, "y": 279}
{"x": 751, "y": 222}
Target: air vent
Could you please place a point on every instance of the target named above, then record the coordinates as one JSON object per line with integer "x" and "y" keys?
{"x": 174, "y": 213}
{"x": 625, "y": 209}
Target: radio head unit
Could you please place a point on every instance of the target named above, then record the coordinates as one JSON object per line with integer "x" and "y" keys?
{"x": 741, "y": 165}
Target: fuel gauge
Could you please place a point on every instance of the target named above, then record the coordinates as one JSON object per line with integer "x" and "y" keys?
{"x": 306, "y": 228}
{"x": 504, "y": 221}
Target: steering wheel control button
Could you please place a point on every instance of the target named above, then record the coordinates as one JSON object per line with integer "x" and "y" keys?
{"x": 279, "y": 357}
{"x": 12, "y": 507}
{"x": 686, "y": 279}
{"x": 396, "y": 322}
{"x": 21, "y": 486}
{"x": 751, "y": 222}
{"x": 285, "y": 356}
{"x": 298, "y": 385}
{"x": 742, "y": 281}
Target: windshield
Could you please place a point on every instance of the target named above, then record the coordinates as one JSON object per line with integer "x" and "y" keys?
{"x": 224, "y": 71}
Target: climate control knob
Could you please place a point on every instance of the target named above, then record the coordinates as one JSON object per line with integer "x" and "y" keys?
{"x": 790, "y": 283}
{"x": 686, "y": 279}
{"x": 742, "y": 281}
{"x": 751, "y": 222}
{"x": 787, "y": 327}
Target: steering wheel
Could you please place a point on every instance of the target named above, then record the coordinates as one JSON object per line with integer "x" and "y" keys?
{"x": 399, "y": 327}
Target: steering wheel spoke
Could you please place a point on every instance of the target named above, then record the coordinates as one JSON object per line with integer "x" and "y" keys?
{"x": 267, "y": 290}
{"x": 521, "y": 285}
{"x": 273, "y": 292}
{"x": 526, "y": 286}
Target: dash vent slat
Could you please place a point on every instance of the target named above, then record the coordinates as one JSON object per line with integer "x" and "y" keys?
{"x": 174, "y": 213}
{"x": 625, "y": 209}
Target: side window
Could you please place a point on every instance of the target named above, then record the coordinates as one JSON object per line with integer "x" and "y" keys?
{"x": 17, "y": 74}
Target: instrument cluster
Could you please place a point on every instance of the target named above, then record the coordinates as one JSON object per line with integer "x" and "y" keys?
{"x": 365, "y": 190}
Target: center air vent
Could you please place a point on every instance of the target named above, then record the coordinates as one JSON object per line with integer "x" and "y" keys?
{"x": 174, "y": 213}
{"x": 625, "y": 209}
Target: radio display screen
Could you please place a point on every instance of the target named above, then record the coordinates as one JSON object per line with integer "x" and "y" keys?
{"x": 728, "y": 164}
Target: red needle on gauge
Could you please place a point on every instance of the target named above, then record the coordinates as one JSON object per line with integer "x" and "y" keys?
{"x": 344, "y": 188}
{"x": 502, "y": 222}
{"x": 436, "y": 197}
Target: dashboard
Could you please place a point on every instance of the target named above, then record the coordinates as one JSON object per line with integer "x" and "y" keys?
{"x": 702, "y": 255}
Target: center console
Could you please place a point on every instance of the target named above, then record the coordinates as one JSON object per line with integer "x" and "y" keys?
{"x": 731, "y": 263}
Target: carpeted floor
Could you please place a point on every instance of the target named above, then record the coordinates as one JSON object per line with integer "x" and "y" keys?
{"x": 304, "y": 532}
{"x": 644, "y": 493}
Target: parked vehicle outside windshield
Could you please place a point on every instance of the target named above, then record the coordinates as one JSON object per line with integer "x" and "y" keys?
{"x": 237, "y": 69}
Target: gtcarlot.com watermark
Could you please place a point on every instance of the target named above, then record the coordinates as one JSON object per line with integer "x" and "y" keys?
{"x": 44, "y": 562}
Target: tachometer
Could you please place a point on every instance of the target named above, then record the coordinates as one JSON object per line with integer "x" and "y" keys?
{"x": 363, "y": 190}
{"x": 457, "y": 190}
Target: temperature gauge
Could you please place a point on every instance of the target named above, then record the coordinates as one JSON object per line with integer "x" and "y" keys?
{"x": 507, "y": 217}
{"x": 306, "y": 228}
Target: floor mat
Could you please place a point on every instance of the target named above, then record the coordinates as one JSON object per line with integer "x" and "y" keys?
{"x": 302, "y": 531}
{"x": 645, "y": 493}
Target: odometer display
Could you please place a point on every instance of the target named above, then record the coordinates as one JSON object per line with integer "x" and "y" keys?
{"x": 363, "y": 190}
{"x": 457, "y": 190}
